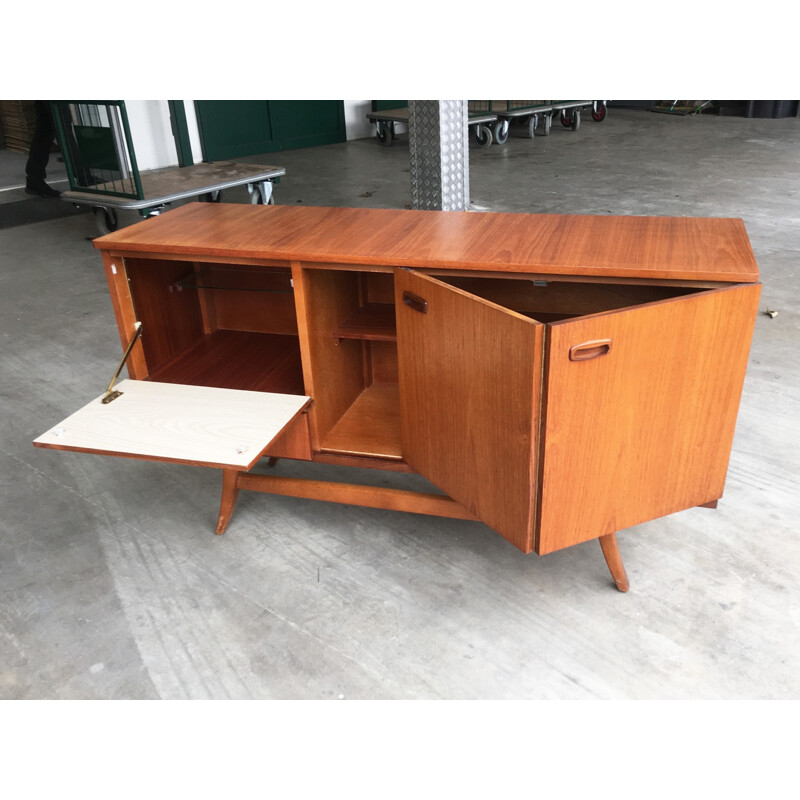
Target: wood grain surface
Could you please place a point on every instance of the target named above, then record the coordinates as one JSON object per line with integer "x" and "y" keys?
{"x": 370, "y": 426}
{"x": 610, "y": 548}
{"x": 262, "y": 362}
{"x": 124, "y": 313}
{"x": 333, "y": 369}
{"x": 646, "y": 429}
{"x": 470, "y": 378}
{"x": 355, "y": 494}
{"x": 560, "y": 298}
{"x": 294, "y": 441}
{"x": 246, "y": 298}
{"x": 171, "y": 321}
{"x": 371, "y": 322}
{"x": 635, "y": 247}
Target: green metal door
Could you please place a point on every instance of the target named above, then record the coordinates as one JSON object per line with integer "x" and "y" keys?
{"x": 234, "y": 128}
{"x": 388, "y": 105}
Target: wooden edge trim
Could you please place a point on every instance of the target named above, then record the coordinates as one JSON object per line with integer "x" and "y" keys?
{"x": 538, "y": 451}
{"x": 140, "y": 457}
{"x": 571, "y": 278}
{"x": 354, "y": 494}
{"x": 302, "y": 315}
{"x": 476, "y": 271}
{"x": 190, "y": 256}
{"x": 369, "y": 462}
{"x": 473, "y": 269}
{"x": 688, "y": 298}
{"x": 343, "y": 265}
{"x": 124, "y": 314}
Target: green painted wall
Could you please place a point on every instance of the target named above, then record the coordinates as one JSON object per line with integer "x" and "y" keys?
{"x": 388, "y": 105}
{"x": 235, "y": 128}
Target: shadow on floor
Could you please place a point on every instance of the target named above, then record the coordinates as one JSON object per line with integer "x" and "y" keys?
{"x": 36, "y": 209}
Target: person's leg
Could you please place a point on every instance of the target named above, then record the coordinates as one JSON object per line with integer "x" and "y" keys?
{"x": 39, "y": 153}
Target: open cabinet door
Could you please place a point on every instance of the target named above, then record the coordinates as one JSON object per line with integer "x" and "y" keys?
{"x": 470, "y": 382}
{"x": 199, "y": 425}
{"x": 640, "y": 411}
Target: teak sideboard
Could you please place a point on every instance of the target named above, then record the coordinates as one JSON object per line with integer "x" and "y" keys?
{"x": 558, "y": 377}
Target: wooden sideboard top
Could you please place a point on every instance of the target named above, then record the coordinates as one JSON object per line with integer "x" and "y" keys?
{"x": 661, "y": 248}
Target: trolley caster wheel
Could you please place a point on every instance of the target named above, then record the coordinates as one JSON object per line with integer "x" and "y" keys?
{"x": 106, "y": 220}
{"x": 483, "y": 135}
{"x": 571, "y": 119}
{"x": 384, "y": 133}
{"x": 547, "y": 121}
{"x": 258, "y": 196}
{"x": 501, "y": 129}
{"x": 599, "y": 112}
{"x": 532, "y": 123}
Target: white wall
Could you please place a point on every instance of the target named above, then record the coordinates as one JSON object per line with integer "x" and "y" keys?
{"x": 154, "y": 143}
{"x": 357, "y": 126}
{"x": 151, "y": 133}
{"x": 194, "y": 131}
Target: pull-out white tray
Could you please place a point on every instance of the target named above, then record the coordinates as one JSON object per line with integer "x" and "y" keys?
{"x": 226, "y": 428}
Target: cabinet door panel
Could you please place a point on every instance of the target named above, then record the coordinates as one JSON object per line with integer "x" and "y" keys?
{"x": 640, "y": 413}
{"x": 470, "y": 383}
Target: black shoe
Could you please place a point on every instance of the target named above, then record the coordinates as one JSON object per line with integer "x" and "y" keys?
{"x": 41, "y": 188}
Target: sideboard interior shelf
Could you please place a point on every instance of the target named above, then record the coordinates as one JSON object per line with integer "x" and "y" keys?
{"x": 371, "y": 322}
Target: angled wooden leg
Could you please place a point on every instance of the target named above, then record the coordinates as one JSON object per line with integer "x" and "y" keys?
{"x": 614, "y": 561}
{"x": 230, "y": 491}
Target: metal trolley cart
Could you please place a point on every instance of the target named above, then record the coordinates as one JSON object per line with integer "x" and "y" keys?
{"x": 100, "y": 160}
{"x": 479, "y": 118}
{"x": 385, "y": 119}
{"x": 529, "y": 112}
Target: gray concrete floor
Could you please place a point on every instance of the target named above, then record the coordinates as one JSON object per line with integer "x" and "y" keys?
{"x": 112, "y": 584}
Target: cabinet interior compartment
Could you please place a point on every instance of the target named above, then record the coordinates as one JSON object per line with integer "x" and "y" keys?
{"x": 353, "y": 362}
{"x": 552, "y": 301}
{"x": 221, "y": 325}
{"x": 374, "y": 318}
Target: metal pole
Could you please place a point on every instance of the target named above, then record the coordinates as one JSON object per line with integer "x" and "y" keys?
{"x": 439, "y": 151}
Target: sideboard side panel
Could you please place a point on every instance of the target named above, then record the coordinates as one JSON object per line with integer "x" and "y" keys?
{"x": 124, "y": 313}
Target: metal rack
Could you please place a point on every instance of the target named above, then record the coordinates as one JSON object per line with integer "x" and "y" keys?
{"x": 532, "y": 112}
{"x": 100, "y": 161}
{"x": 490, "y": 120}
{"x": 480, "y": 116}
{"x": 479, "y": 119}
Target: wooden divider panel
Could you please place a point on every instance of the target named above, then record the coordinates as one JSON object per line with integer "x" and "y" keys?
{"x": 333, "y": 369}
{"x": 171, "y": 321}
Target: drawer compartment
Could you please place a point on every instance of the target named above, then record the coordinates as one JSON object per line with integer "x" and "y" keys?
{"x": 218, "y": 325}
